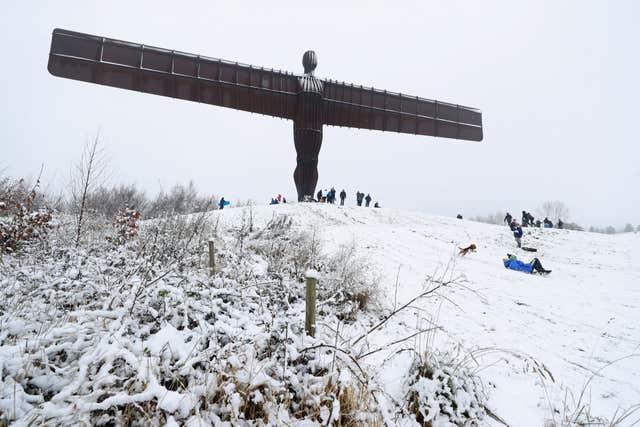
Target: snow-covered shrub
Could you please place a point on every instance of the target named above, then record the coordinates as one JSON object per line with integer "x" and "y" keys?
{"x": 440, "y": 392}
{"x": 353, "y": 284}
{"x": 21, "y": 220}
{"x": 287, "y": 250}
{"x": 126, "y": 225}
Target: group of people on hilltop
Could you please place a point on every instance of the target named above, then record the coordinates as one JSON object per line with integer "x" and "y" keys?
{"x": 529, "y": 221}
{"x": 326, "y": 197}
{"x": 367, "y": 200}
{"x": 330, "y": 197}
{"x": 277, "y": 200}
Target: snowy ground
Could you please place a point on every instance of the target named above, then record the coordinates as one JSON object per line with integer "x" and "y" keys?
{"x": 85, "y": 332}
{"x": 579, "y": 321}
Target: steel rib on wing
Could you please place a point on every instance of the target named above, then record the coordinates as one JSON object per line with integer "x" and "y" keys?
{"x": 173, "y": 74}
{"x": 367, "y": 108}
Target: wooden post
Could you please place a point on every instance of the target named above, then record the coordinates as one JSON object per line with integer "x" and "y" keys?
{"x": 310, "y": 321}
{"x": 212, "y": 258}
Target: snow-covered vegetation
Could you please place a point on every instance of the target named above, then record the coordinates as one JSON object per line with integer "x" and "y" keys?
{"x": 135, "y": 330}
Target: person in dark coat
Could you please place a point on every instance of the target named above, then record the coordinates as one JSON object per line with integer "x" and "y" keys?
{"x": 367, "y": 200}
{"x": 319, "y": 195}
{"x": 331, "y": 196}
{"x": 531, "y": 219}
{"x": 459, "y": 216}
{"x": 560, "y": 223}
{"x": 221, "y": 203}
{"x": 508, "y": 218}
{"x": 343, "y": 195}
{"x": 538, "y": 223}
{"x": 376, "y": 205}
{"x": 517, "y": 233}
{"x": 513, "y": 263}
{"x": 359, "y": 197}
{"x": 547, "y": 223}
{"x": 525, "y": 219}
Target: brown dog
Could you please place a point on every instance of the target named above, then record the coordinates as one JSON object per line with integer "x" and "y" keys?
{"x": 463, "y": 251}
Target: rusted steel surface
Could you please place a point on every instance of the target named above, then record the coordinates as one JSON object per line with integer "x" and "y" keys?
{"x": 367, "y": 108}
{"x": 171, "y": 73}
{"x": 310, "y": 102}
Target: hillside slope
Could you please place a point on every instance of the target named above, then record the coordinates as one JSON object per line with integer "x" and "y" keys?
{"x": 120, "y": 330}
{"x": 579, "y": 321}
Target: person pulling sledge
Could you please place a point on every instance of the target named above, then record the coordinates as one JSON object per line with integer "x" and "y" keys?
{"x": 343, "y": 195}
{"x": 534, "y": 266}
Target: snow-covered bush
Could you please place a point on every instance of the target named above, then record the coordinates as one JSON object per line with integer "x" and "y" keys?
{"x": 126, "y": 225}
{"x": 440, "y": 392}
{"x": 21, "y": 221}
{"x": 352, "y": 282}
{"x": 288, "y": 251}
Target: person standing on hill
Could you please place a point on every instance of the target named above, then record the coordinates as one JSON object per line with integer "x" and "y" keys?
{"x": 367, "y": 200}
{"x": 517, "y": 233}
{"x": 560, "y": 223}
{"x": 508, "y": 218}
{"x": 331, "y": 196}
{"x": 525, "y": 219}
{"x": 359, "y": 197}
{"x": 222, "y": 203}
{"x": 343, "y": 195}
{"x": 319, "y": 195}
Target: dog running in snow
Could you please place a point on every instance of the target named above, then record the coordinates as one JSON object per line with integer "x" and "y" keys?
{"x": 470, "y": 248}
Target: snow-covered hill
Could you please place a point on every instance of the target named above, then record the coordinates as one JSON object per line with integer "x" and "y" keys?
{"x": 104, "y": 334}
{"x": 582, "y": 321}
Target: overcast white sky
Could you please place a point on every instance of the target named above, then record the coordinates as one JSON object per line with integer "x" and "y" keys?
{"x": 557, "y": 83}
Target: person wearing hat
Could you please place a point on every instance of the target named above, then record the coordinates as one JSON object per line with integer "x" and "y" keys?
{"x": 535, "y": 266}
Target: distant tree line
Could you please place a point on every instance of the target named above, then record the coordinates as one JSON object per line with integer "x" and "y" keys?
{"x": 628, "y": 228}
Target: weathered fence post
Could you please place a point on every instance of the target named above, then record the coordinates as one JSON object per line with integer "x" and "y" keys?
{"x": 212, "y": 258}
{"x": 310, "y": 321}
